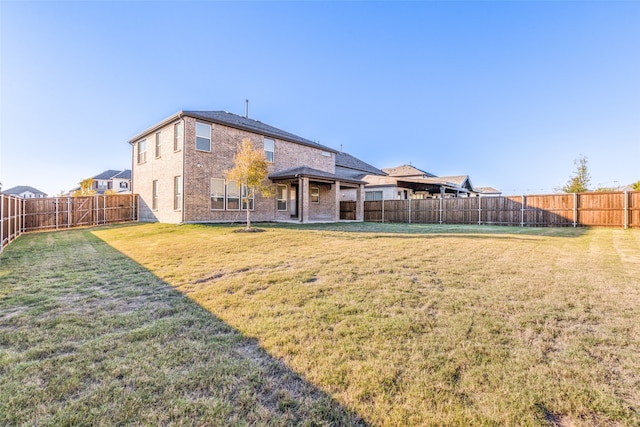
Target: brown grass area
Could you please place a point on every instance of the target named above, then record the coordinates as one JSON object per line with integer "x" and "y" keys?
{"x": 426, "y": 325}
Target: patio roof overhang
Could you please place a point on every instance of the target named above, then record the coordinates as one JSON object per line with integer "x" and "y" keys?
{"x": 314, "y": 175}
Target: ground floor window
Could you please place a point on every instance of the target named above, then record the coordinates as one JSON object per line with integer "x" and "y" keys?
{"x": 233, "y": 196}
{"x": 315, "y": 194}
{"x": 246, "y": 200}
{"x": 155, "y": 195}
{"x": 281, "y": 197}
{"x": 227, "y": 195}
{"x": 177, "y": 193}
{"x": 371, "y": 196}
{"x": 217, "y": 194}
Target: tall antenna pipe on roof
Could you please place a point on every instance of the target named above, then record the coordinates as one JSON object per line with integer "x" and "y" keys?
{"x": 246, "y": 108}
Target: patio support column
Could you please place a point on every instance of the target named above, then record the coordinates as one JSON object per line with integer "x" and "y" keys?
{"x": 360, "y": 203}
{"x": 337, "y": 194}
{"x": 304, "y": 199}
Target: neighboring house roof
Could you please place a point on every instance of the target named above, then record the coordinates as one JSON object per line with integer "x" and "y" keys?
{"x": 125, "y": 174}
{"x": 21, "y": 189}
{"x": 359, "y": 168}
{"x": 305, "y": 171}
{"x": 407, "y": 170}
{"x": 488, "y": 190}
{"x": 111, "y": 174}
{"x": 238, "y": 122}
{"x": 106, "y": 175}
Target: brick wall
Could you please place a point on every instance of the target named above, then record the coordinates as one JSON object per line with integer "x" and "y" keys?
{"x": 163, "y": 169}
{"x": 198, "y": 167}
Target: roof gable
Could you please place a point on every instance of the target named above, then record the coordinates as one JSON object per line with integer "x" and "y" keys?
{"x": 407, "y": 170}
{"x": 20, "y": 189}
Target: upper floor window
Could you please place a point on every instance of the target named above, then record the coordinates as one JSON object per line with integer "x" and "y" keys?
{"x": 177, "y": 136}
{"x": 158, "y": 144}
{"x": 269, "y": 149}
{"x": 315, "y": 195}
{"x": 142, "y": 151}
{"x": 203, "y": 137}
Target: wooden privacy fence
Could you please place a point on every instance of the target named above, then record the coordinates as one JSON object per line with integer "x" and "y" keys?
{"x": 57, "y": 213}
{"x": 610, "y": 209}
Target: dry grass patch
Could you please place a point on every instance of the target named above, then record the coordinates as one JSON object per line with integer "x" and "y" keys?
{"x": 89, "y": 337}
{"x": 426, "y": 325}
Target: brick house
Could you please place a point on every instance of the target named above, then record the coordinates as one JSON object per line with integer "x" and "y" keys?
{"x": 179, "y": 167}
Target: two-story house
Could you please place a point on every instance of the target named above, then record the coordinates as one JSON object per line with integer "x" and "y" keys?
{"x": 116, "y": 180}
{"x": 26, "y": 192}
{"x": 179, "y": 167}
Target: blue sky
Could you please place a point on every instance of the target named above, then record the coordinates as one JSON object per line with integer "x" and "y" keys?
{"x": 509, "y": 93}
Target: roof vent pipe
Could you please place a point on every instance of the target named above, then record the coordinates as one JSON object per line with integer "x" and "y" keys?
{"x": 246, "y": 108}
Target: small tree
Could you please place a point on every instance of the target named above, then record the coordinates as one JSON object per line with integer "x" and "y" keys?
{"x": 636, "y": 185}
{"x": 86, "y": 188}
{"x": 581, "y": 179}
{"x": 250, "y": 173}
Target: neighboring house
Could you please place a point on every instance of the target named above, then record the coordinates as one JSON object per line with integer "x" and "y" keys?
{"x": 488, "y": 191}
{"x": 179, "y": 167}
{"x": 25, "y": 192}
{"x": 408, "y": 182}
{"x": 116, "y": 180}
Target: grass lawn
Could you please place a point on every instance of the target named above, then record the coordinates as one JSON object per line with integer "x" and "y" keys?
{"x": 397, "y": 324}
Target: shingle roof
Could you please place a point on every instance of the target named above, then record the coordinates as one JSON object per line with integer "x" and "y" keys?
{"x": 311, "y": 173}
{"x": 252, "y": 125}
{"x": 19, "y": 189}
{"x": 348, "y": 161}
{"x": 108, "y": 174}
{"x": 125, "y": 174}
{"x": 406, "y": 170}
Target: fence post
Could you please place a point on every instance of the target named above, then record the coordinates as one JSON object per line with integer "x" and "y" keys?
{"x": 523, "y": 208}
{"x": 57, "y": 213}
{"x": 575, "y": 210}
{"x": 383, "y": 211}
{"x": 1, "y": 222}
{"x": 409, "y": 200}
{"x": 626, "y": 210}
{"x": 68, "y": 212}
{"x": 479, "y": 210}
{"x": 16, "y": 222}
{"x": 440, "y": 209}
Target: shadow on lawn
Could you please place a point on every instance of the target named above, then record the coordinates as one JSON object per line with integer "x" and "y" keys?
{"x": 113, "y": 344}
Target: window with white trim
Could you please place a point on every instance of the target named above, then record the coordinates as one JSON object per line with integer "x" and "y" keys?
{"x": 233, "y": 196}
{"x": 281, "y": 197}
{"x": 177, "y": 136}
{"x": 142, "y": 151}
{"x": 315, "y": 194}
{"x": 217, "y": 194}
{"x": 203, "y": 137}
{"x": 155, "y": 195}
{"x": 246, "y": 199}
{"x": 177, "y": 193}
{"x": 269, "y": 149}
{"x": 158, "y": 144}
